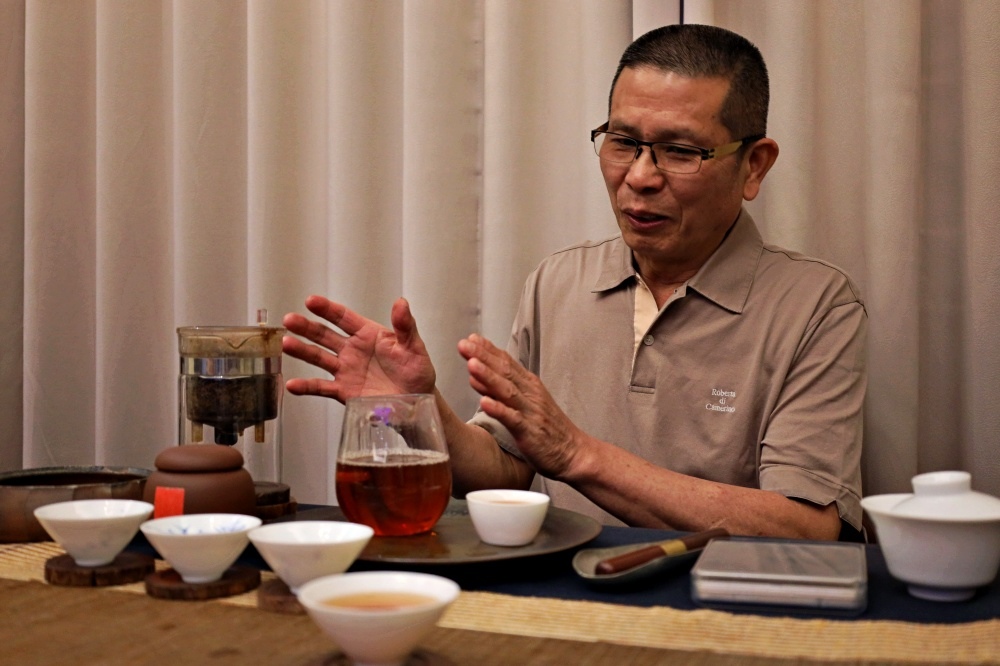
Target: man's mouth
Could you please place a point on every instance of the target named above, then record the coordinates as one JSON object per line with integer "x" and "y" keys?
{"x": 643, "y": 218}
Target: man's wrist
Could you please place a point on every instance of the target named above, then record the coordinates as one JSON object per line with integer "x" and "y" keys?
{"x": 582, "y": 460}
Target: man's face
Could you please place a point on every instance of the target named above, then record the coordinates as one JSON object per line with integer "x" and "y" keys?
{"x": 673, "y": 222}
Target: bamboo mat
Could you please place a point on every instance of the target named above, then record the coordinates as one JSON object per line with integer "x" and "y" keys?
{"x": 819, "y": 640}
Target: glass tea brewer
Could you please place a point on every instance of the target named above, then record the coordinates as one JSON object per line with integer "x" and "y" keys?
{"x": 230, "y": 390}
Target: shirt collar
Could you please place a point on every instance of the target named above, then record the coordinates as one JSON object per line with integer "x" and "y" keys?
{"x": 618, "y": 269}
{"x": 725, "y": 278}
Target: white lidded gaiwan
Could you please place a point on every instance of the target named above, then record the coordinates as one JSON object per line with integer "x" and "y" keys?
{"x": 943, "y": 540}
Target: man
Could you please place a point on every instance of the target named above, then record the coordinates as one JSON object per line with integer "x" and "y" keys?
{"x": 682, "y": 374}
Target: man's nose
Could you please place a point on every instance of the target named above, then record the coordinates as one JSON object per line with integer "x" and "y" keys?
{"x": 643, "y": 172}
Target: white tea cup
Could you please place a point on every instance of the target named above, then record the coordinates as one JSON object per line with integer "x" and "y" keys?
{"x": 505, "y": 517}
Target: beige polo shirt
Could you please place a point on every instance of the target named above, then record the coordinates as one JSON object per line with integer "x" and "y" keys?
{"x": 754, "y": 374}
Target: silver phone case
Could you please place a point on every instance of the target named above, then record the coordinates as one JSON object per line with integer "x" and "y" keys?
{"x": 781, "y": 573}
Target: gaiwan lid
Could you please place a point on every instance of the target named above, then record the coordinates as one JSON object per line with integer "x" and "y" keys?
{"x": 947, "y": 496}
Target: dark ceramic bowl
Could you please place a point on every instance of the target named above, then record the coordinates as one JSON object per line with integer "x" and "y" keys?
{"x": 23, "y": 491}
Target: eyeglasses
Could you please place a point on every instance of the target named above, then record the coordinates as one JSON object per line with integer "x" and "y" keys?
{"x": 671, "y": 157}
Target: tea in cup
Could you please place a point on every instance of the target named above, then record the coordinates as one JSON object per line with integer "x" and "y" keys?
{"x": 378, "y": 617}
{"x": 507, "y": 517}
{"x": 393, "y": 471}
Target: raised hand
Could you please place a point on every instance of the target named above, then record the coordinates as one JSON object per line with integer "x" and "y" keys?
{"x": 365, "y": 359}
{"x": 518, "y": 399}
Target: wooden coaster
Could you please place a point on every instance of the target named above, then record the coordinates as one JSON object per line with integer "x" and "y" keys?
{"x": 272, "y": 511}
{"x": 418, "y": 657}
{"x": 274, "y": 596}
{"x": 125, "y": 568}
{"x": 168, "y": 584}
{"x": 269, "y": 492}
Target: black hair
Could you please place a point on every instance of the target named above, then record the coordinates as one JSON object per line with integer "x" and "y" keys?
{"x": 700, "y": 51}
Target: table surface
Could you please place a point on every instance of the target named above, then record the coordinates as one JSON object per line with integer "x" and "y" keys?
{"x": 95, "y": 626}
{"x": 552, "y": 576}
{"x": 533, "y": 610}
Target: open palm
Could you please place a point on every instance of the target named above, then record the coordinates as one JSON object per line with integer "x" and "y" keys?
{"x": 366, "y": 359}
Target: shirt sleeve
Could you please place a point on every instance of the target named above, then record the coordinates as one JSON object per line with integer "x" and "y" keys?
{"x": 812, "y": 446}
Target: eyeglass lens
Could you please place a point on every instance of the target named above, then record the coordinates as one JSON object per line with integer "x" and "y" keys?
{"x": 667, "y": 156}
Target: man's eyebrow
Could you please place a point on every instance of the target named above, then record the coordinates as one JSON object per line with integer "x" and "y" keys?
{"x": 623, "y": 128}
{"x": 666, "y": 136}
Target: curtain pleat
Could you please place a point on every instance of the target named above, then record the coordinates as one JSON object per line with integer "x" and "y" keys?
{"x": 980, "y": 121}
{"x": 548, "y": 71}
{"x": 890, "y": 239}
{"x": 442, "y": 113}
{"x": 208, "y": 163}
{"x": 287, "y": 206}
{"x": 12, "y": 91}
{"x": 132, "y": 306}
{"x": 188, "y": 162}
{"x": 60, "y": 234}
{"x": 942, "y": 245}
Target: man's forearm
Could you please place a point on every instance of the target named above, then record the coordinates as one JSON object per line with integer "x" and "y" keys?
{"x": 476, "y": 459}
{"x": 645, "y": 495}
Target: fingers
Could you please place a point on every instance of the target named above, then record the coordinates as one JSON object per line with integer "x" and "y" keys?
{"x": 346, "y": 320}
{"x": 403, "y": 323}
{"x": 512, "y": 419}
{"x": 479, "y": 347}
{"x": 320, "y": 387}
{"x": 339, "y": 315}
{"x": 488, "y": 382}
{"x": 312, "y": 354}
{"x": 314, "y": 331}
{"x": 492, "y": 372}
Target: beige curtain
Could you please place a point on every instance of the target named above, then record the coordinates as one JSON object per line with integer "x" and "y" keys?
{"x": 167, "y": 163}
{"x": 886, "y": 113}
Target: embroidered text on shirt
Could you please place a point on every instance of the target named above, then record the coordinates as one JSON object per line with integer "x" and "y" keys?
{"x": 722, "y": 398}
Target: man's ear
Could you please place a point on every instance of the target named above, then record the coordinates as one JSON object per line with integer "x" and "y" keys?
{"x": 759, "y": 160}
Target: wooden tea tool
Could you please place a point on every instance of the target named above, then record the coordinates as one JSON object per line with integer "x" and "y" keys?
{"x": 671, "y": 547}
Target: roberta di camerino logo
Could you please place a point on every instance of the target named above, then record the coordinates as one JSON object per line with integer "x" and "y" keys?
{"x": 720, "y": 401}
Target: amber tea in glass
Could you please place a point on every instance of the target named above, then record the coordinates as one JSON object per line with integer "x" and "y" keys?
{"x": 393, "y": 472}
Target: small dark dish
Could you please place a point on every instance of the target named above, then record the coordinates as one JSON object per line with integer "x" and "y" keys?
{"x": 585, "y": 563}
{"x": 23, "y": 491}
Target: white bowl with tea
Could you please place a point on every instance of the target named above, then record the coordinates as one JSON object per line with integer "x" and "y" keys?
{"x": 200, "y": 547}
{"x": 503, "y": 517}
{"x": 378, "y": 617}
{"x": 301, "y": 551}
{"x": 93, "y": 532}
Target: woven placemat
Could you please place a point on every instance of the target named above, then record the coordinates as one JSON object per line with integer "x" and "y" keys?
{"x": 717, "y": 631}
{"x": 26, "y": 561}
{"x": 857, "y": 641}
